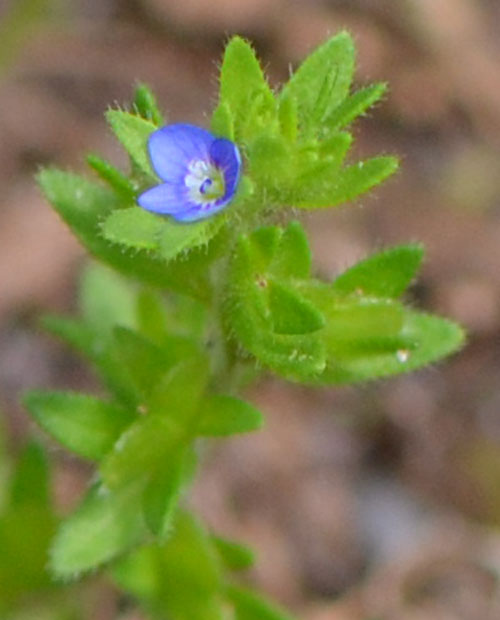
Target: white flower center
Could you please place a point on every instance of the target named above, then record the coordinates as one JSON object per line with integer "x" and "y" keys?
{"x": 204, "y": 181}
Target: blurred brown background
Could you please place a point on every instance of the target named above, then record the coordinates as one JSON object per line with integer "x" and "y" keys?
{"x": 380, "y": 502}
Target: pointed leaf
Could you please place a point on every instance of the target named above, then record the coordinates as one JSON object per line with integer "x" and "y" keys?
{"x": 105, "y": 525}
{"x": 164, "y": 489}
{"x": 222, "y": 123}
{"x": 322, "y": 81}
{"x": 250, "y": 606}
{"x": 85, "y": 425}
{"x": 386, "y": 274}
{"x": 139, "y": 450}
{"x": 234, "y": 555}
{"x": 146, "y": 106}
{"x": 116, "y": 179}
{"x": 355, "y": 106}
{"x": 133, "y": 132}
{"x": 429, "y": 338}
{"x": 242, "y": 82}
{"x": 350, "y": 183}
{"x": 222, "y": 415}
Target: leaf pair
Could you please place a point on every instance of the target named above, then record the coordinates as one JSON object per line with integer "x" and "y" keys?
{"x": 350, "y": 330}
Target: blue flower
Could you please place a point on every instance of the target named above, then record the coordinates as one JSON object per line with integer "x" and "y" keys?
{"x": 200, "y": 172}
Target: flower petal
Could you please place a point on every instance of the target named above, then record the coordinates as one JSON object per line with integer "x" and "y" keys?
{"x": 199, "y": 212}
{"x": 173, "y": 147}
{"x": 167, "y": 199}
{"x": 226, "y": 156}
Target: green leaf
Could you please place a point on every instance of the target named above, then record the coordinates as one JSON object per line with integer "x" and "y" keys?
{"x": 292, "y": 258}
{"x": 222, "y": 123}
{"x": 84, "y": 424}
{"x": 354, "y": 106}
{"x": 288, "y": 117}
{"x": 82, "y": 205}
{"x": 250, "y": 606}
{"x": 291, "y": 313}
{"x": 133, "y": 132}
{"x": 146, "y": 106}
{"x": 105, "y": 525}
{"x": 139, "y": 450}
{"x": 222, "y": 415}
{"x": 294, "y": 356}
{"x": 180, "y": 578}
{"x": 134, "y": 228}
{"x": 116, "y": 179}
{"x": 151, "y": 315}
{"x": 242, "y": 83}
{"x": 234, "y": 555}
{"x": 106, "y": 300}
{"x": 74, "y": 332}
{"x": 177, "y": 394}
{"x": 30, "y": 481}
{"x": 163, "y": 490}
{"x": 349, "y": 183}
{"x": 429, "y": 339}
{"x": 322, "y": 81}
{"x": 96, "y": 347}
{"x": 270, "y": 160}
{"x": 385, "y": 274}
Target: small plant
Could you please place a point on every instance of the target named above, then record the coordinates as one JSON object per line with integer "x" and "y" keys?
{"x": 211, "y": 285}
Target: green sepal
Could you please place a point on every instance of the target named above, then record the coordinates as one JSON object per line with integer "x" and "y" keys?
{"x": 133, "y": 132}
{"x": 114, "y": 177}
{"x": 234, "y": 555}
{"x": 86, "y": 425}
{"x": 385, "y": 274}
{"x": 322, "y": 81}
{"x": 355, "y": 105}
{"x": 105, "y": 525}
{"x": 146, "y": 106}
{"x": 222, "y": 415}
{"x": 349, "y": 183}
